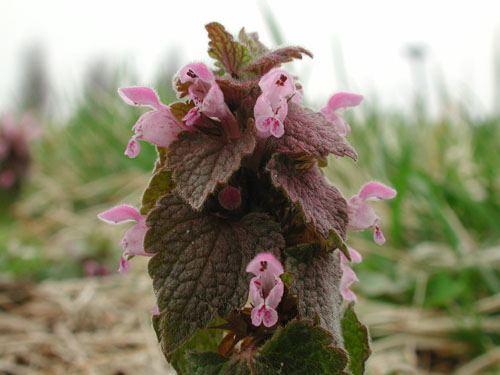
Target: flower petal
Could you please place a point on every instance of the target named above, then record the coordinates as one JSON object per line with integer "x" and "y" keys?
{"x": 349, "y": 295}
{"x": 139, "y": 96}
{"x": 196, "y": 70}
{"x": 120, "y": 214}
{"x": 270, "y": 316}
{"x": 376, "y": 191}
{"x": 155, "y": 310}
{"x": 265, "y": 262}
{"x": 273, "y": 299}
{"x": 158, "y": 127}
{"x": 276, "y": 84}
{"x": 230, "y": 198}
{"x": 361, "y": 214}
{"x": 133, "y": 239}
{"x": 213, "y": 103}
{"x": 343, "y": 100}
{"x": 355, "y": 256}
{"x": 256, "y": 291}
{"x": 257, "y": 314}
{"x": 378, "y": 236}
{"x": 124, "y": 265}
{"x": 133, "y": 148}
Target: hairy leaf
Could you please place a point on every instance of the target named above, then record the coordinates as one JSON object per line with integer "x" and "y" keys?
{"x": 200, "y": 162}
{"x": 356, "y": 341}
{"x": 199, "y": 267}
{"x": 231, "y": 54}
{"x": 316, "y": 282}
{"x": 251, "y": 40}
{"x": 322, "y": 205}
{"x": 311, "y": 133}
{"x": 297, "y": 349}
{"x": 160, "y": 183}
{"x": 300, "y": 348}
{"x": 275, "y": 58}
{"x": 235, "y": 92}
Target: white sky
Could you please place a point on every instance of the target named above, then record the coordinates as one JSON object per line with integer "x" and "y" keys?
{"x": 459, "y": 35}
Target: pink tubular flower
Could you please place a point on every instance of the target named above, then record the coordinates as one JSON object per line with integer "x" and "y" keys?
{"x": 206, "y": 95}
{"x": 361, "y": 214}
{"x": 337, "y": 103}
{"x": 133, "y": 239}
{"x": 271, "y": 107}
{"x": 348, "y": 275}
{"x": 266, "y": 288}
{"x": 159, "y": 127}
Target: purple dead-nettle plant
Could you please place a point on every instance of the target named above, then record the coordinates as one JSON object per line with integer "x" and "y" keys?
{"x": 246, "y": 237}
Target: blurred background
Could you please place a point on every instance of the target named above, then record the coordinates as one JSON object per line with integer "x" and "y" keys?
{"x": 429, "y": 126}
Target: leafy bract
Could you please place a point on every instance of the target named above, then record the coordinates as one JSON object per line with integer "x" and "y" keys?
{"x": 356, "y": 341}
{"x": 275, "y": 58}
{"x": 251, "y": 40}
{"x": 181, "y": 109}
{"x": 323, "y": 206}
{"x": 297, "y": 349}
{"x": 198, "y": 269}
{"x": 316, "y": 282}
{"x": 311, "y": 133}
{"x": 160, "y": 183}
{"x": 232, "y": 55}
{"x": 200, "y": 162}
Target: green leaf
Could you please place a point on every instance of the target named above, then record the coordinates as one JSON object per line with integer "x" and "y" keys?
{"x": 324, "y": 208}
{"x": 275, "y": 58}
{"x": 200, "y": 162}
{"x": 310, "y": 133}
{"x": 198, "y": 269}
{"x": 316, "y": 282}
{"x": 160, "y": 183}
{"x": 300, "y": 348}
{"x": 251, "y": 40}
{"x": 231, "y": 54}
{"x": 297, "y": 349}
{"x": 356, "y": 341}
{"x": 203, "y": 340}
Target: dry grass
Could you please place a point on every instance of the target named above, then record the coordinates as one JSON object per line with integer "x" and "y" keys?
{"x": 101, "y": 326}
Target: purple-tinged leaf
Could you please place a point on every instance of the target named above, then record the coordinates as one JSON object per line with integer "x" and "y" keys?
{"x": 356, "y": 341}
{"x": 316, "y": 283}
{"x": 200, "y": 163}
{"x": 235, "y": 92}
{"x": 231, "y": 54}
{"x": 199, "y": 269}
{"x": 311, "y": 133}
{"x": 275, "y": 58}
{"x": 323, "y": 206}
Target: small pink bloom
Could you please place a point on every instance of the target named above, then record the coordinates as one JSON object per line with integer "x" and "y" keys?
{"x": 159, "y": 127}
{"x": 362, "y": 215}
{"x": 230, "y": 198}
{"x": 269, "y": 118}
{"x": 277, "y": 84}
{"x": 271, "y": 106}
{"x": 155, "y": 310}
{"x": 348, "y": 275}
{"x": 206, "y": 95}
{"x": 133, "y": 239}
{"x": 337, "y": 103}
{"x": 266, "y": 289}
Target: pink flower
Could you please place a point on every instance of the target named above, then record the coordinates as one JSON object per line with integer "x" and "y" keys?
{"x": 159, "y": 127}
{"x": 338, "y": 103}
{"x": 133, "y": 239}
{"x": 348, "y": 275}
{"x": 271, "y": 107}
{"x": 155, "y": 310}
{"x": 206, "y": 95}
{"x": 266, "y": 289}
{"x": 362, "y": 215}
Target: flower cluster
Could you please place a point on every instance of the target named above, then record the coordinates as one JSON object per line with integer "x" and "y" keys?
{"x": 238, "y": 197}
